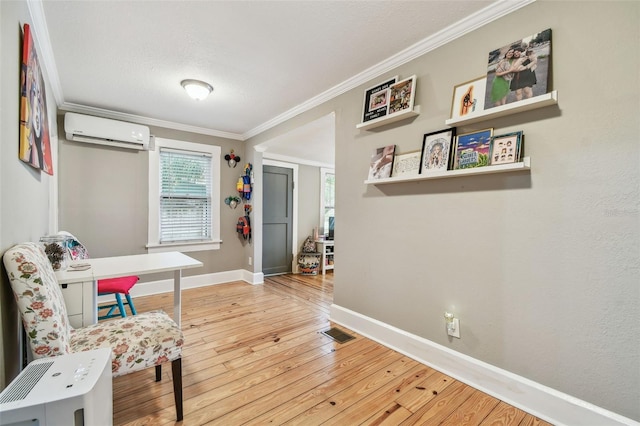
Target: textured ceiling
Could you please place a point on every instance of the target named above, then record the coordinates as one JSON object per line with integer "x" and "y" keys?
{"x": 265, "y": 59}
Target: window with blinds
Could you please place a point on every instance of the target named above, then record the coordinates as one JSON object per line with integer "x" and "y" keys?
{"x": 185, "y": 196}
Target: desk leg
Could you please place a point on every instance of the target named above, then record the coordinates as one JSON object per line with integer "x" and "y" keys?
{"x": 94, "y": 302}
{"x": 89, "y": 303}
{"x": 177, "y": 304}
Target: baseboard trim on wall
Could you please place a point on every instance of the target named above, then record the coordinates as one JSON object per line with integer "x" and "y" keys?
{"x": 195, "y": 281}
{"x": 548, "y": 404}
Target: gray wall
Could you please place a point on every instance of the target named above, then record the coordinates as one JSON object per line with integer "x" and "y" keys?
{"x": 308, "y": 202}
{"x": 540, "y": 267}
{"x": 25, "y": 203}
{"x": 104, "y": 199}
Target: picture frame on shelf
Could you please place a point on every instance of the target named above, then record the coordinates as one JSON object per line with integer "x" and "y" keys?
{"x": 505, "y": 149}
{"x": 519, "y": 70}
{"x": 468, "y": 98}
{"x": 381, "y": 163}
{"x": 376, "y": 100}
{"x": 402, "y": 95}
{"x": 472, "y": 149}
{"x": 436, "y": 150}
{"x": 406, "y": 164}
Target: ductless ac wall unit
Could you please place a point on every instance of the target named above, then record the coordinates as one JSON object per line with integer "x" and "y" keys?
{"x": 103, "y": 131}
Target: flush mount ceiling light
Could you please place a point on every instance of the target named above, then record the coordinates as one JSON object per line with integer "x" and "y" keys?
{"x": 197, "y": 89}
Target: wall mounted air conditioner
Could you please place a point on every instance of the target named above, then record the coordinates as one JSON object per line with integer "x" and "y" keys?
{"x": 103, "y": 131}
{"x": 74, "y": 389}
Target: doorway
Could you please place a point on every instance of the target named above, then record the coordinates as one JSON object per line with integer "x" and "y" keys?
{"x": 277, "y": 220}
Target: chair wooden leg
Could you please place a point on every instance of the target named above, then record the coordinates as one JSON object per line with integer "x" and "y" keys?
{"x": 158, "y": 372}
{"x": 130, "y": 303}
{"x": 176, "y": 370}
{"x": 123, "y": 313}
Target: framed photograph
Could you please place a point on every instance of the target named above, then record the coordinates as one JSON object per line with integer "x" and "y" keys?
{"x": 406, "y": 164}
{"x": 401, "y": 95}
{"x": 472, "y": 149}
{"x": 519, "y": 70}
{"x": 381, "y": 163}
{"x": 35, "y": 144}
{"x": 505, "y": 148}
{"x": 436, "y": 150}
{"x": 468, "y": 98}
{"x": 376, "y": 100}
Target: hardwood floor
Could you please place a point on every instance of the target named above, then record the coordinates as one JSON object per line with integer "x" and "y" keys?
{"x": 255, "y": 355}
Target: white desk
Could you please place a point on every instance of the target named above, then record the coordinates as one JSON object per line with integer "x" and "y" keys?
{"x": 81, "y": 294}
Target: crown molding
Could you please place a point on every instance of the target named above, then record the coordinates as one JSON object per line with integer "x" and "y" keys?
{"x": 45, "y": 51}
{"x": 460, "y": 28}
{"x": 295, "y": 160}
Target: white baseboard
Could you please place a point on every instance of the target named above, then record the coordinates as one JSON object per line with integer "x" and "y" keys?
{"x": 195, "y": 281}
{"x": 543, "y": 402}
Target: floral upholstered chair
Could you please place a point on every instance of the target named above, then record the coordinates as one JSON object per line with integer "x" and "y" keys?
{"x": 137, "y": 342}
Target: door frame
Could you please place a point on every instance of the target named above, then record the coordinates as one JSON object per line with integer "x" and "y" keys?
{"x": 294, "y": 219}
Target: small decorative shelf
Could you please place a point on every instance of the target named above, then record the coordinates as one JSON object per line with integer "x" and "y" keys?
{"x": 388, "y": 119}
{"x": 525, "y": 164}
{"x": 547, "y": 99}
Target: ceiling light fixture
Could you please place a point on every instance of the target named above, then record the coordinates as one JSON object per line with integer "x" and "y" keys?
{"x": 197, "y": 89}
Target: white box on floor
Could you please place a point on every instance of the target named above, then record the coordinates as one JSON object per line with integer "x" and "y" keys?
{"x": 72, "y": 389}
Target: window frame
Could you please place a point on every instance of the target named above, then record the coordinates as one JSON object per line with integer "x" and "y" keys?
{"x": 153, "y": 243}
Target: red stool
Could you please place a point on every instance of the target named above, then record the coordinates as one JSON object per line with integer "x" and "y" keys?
{"x": 117, "y": 286}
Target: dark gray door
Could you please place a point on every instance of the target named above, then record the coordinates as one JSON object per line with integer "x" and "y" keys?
{"x": 277, "y": 220}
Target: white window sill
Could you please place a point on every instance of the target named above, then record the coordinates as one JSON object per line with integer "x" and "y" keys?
{"x": 184, "y": 247}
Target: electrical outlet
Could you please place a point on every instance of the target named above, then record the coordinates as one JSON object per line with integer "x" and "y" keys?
{"x": 454, "y": 331}
{"x": 250, "y": 260}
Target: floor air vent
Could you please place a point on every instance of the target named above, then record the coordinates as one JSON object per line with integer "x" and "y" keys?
{"x": 338, "y": 335}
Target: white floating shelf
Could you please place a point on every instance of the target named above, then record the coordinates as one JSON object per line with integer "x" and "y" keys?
{"x": 525, "y": 164}
{"x": 547, "y": 99}
{"x": 388, "y": 119}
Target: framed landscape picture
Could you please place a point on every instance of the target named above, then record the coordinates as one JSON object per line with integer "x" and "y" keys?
{"x": 401, "y": 95}
{"x": 381, "y": 163}
{"x": 436, "y": 150}
{"x": 406, "y": 164}
{"x": 376, "y": 100}
{"x": 505, "y": 148}
{"x": 468, "y": 98}
{"x": 472, "y": 149}
{"x": 519, "y": 70}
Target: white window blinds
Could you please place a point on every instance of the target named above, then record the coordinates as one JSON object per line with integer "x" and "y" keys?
{"x": 185, "y": 196}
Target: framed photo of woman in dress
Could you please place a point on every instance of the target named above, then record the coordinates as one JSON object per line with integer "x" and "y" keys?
{"x": 436, "y": 150}
{"x": 519, "y": 70}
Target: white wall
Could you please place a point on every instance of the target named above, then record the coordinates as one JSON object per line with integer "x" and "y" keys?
{"x": 27, "y": 208}
{"x": 540, "y": 267}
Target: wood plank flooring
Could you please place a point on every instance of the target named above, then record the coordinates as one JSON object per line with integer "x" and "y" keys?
{"x": 255, "y": 355}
